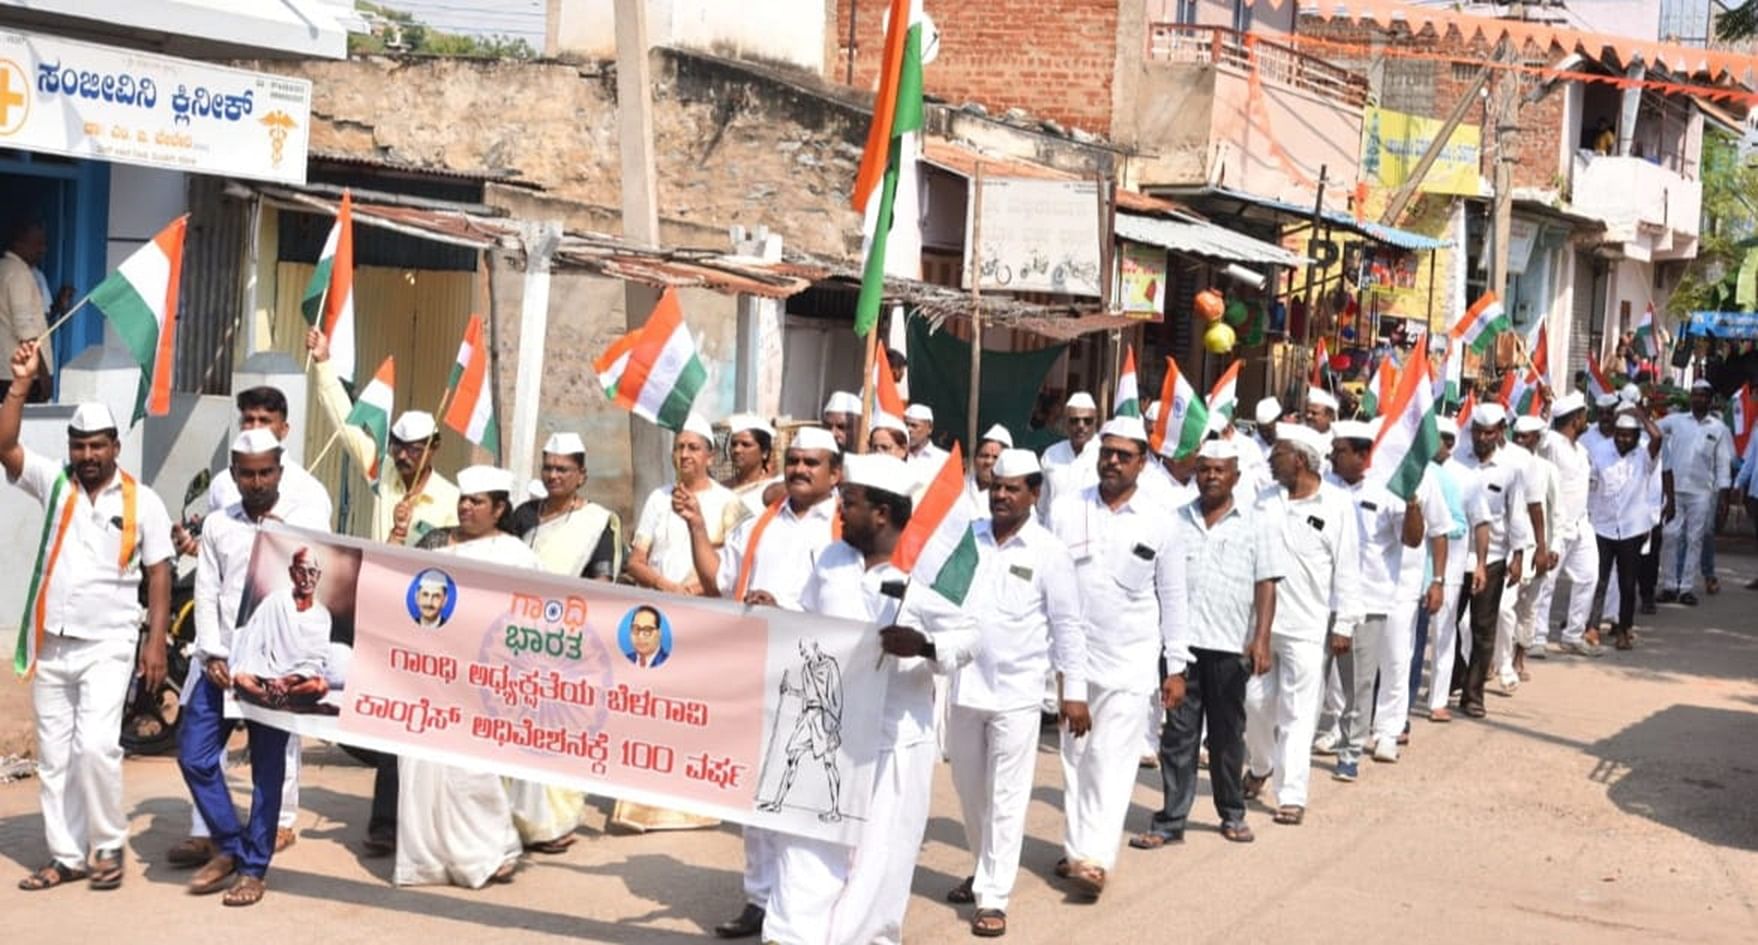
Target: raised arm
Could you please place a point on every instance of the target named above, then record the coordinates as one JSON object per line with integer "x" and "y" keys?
{"x": 23, "y": 369}
{"x": 332, "y": 397}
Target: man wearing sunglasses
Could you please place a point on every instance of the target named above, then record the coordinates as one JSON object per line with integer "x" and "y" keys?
{"x": 1073, "y": 464}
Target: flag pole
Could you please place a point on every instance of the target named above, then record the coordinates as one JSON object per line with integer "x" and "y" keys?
{"x": 974, "y": 394}
{"x": 427, "y": 448}
{"x": 867, "y": 393}
{"x": 63, "y": 319}
{"x": 326, "y": 450}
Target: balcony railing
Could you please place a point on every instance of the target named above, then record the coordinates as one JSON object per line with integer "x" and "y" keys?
{"x": 1213, "y": 45}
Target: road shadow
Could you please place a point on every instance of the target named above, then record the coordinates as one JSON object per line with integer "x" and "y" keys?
{"x": 1691, "y": 768}
{"x": 662, "y": 879}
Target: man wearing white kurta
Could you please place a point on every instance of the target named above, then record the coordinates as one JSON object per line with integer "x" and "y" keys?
{"x": 1699, "y": 455}
{"x": 1320, "y": 592}
{"x": 976, "y": 482}
{"x": 1513, "y": 627}
{"x": 1416, "y": 593}
{"x": 1574, "y": 544}
{"x": 1467, "y": 545}
{"x": 1133, "y": 595}
{"x": 924, "y": 456}
{"x": 1072, "y": 464}
{"x": 81, "y": 627}
{"x": 1502, "y": 481}
{"x": 826, "y": 892}
{"x": 1029, "y": 601}
{"x": 767, "y": 561}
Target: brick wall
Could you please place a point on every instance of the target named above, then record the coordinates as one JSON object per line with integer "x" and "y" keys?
{"x": 1431, "y": 87}
{"x": 1053, "y": 58}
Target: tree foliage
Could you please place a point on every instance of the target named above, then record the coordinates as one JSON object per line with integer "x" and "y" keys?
{"x": 409, "y": 35}
{"x": 1724, "y": 276}
{"x": 1738, "y": 23}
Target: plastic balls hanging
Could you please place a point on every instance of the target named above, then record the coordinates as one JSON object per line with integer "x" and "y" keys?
{"x": 1210, "y": 305}
{"x": 1219, "y": 338}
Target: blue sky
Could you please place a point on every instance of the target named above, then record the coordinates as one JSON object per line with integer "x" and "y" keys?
{"x": 516, "y": 18}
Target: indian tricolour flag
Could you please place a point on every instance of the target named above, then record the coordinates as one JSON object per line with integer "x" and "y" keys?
{"x": 1597, "y": 383}
{"x": 1128, "y": 400}
{"x": 1182, "y": 418}
{"x": 888, "y": 163}
{"x": 472, "y": 410}
{"x": 1482, "y": 323}
{"x": 140, "y": 301}
{"x": 1744, "y": 406}
{"x": 1410, "y": 436}
{"x": 1647, "y": 339}
{"x": 329, "y": 296}
{"x": 938, "y": 542}
{"x": 653, "y": 371}
{"x": 1538, "y": 349}
{"x": 1380, "y": 387}
{"x": 372, "y": 410}
{"x": 1223, "y": 399}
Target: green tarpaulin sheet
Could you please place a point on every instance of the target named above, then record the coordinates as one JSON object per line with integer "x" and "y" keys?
{"x": 939, "y": 376}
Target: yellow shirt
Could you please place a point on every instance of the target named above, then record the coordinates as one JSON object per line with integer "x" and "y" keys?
{"x": 437, "y": 507}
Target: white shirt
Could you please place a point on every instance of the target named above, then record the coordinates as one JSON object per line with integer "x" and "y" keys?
{"x": 1617, "y": 497}
{"x": 843, "y": 586}
{"x": 1502, "y": 479}
{"x": 976, "y": 498}
{"x": 299, "y": 487}
{"x": 786, "y": 552}
{"x": 91, "y": 596}
{"x": 1322, "y": 546}
{"x": 1028, "y": 602}
{"x": 1223, "y": 564}
{"x": 1414, "y": 566}
{"x": 1573, "y": 471}
{"x": 1066, "y": 472}
{"x": 22, "y": 305}
{"x": 1380, "y": 516}
{"x": 1132, "y": 587}
{"x": 929, "y": 458}
{"x": 1699, "y": 453}
{"x": 666, "y": 537}
{"x": 1156, "y": 485}
{"x": 223, "y": 569}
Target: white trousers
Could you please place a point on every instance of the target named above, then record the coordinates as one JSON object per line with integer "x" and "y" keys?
{"x": 1281, "y": 713}
{"x": 1443, "y": 627}
{"x": 1391, "y": 707}
{"x": 78, "y": 694}
{"x": 994, "y": 755}
{"x": 289, "y": 792}
{"x": 830, "y": 894}
{"x": 1577, "y": 560}
{"x": 1694, "y": 513}
{"x": 760, "y": 856}
{"x": 1098, "y": 775}
{"x": 1508, "y": 620}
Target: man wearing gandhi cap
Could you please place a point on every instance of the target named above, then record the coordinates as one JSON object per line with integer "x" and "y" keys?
{"x": 414, "y": 500}
{"x": 976, "y": 482}
{"x": 1028, "y": 598}
{"x": 1573, "y": 544}
{"x": 571, "y": 534}
{"x": 82, "y": 624}
{"x": 1618, "y": 506}
{"x": 822, "y": 893}
{"x": 1699, "y": 460}
{"x": 919, "y": 419}
{"x": 842, "y": 413}
{"x": 1072, "y": 464}
{"x": 1502, "y": 481}
{"x": 228, "y": 540}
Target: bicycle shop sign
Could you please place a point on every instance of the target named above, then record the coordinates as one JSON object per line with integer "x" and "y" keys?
{"x": 59, "y": 96}
{"x": 1035, "y": 236}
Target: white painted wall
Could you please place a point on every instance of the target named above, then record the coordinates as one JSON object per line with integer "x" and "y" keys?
{"x": 790, "y": 31}
{"x": 142, "y": 201}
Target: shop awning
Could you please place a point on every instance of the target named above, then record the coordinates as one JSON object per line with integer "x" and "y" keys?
{"x": 1214, "y": 201}
{"x": 1735, "y": 326}
{"x": 1200, "y": 238}
{"x": 194, "y": 29}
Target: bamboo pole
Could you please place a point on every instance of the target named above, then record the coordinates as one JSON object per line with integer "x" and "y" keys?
{"x": 973, "y": 396}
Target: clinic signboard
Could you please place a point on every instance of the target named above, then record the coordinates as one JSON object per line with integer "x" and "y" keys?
{"x": 60, "y": 96}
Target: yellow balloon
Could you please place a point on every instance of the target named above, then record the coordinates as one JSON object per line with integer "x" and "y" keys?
{"x": 1219, "y": 338}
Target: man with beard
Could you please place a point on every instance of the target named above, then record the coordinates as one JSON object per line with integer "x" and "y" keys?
{"x": 767, "y": 561}
{"x": 1133, "y": 594}
{"x": 103, "y": 536}
{"x": 1029, "y": 600}
{"x": 824, "y": 892}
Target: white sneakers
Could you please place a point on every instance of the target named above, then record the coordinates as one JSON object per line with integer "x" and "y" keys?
{"x": 1325, "y": 744}
{"x": 1385, "y": 750}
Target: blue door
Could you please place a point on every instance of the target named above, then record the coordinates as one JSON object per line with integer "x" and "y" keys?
{"x": 72, "y": 199}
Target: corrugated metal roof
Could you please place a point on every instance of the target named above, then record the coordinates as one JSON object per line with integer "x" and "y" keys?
{"x": 1391, "y": 236}
{"x": 963, "y": 162}
{"x": 1200, "y": 238}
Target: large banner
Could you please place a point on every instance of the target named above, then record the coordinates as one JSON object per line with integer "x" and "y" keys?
{"x": 84, "y": 100}
{"x": 1393, "y": 142}
{"x": 754, "y": 715}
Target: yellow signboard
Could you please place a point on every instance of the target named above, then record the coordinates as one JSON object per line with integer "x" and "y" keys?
{"x": 1392, "y": 143}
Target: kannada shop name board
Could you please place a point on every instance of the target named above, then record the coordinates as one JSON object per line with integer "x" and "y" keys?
{"x": 1393, "y": 142}
{"x": 60, "y": 96}
{"x": 751, "y": 714}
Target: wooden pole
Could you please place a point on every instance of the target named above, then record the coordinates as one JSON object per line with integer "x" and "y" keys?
{"x": 973, "y": 396}
{"x": 64, "y": 317}
{"x": 427, "y": 448}
{"x": 1318, "y": 207}
{"x": 334, "y": 436}
{"x": 864, "y": 422}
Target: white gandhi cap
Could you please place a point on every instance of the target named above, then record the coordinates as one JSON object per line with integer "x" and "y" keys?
{"x": 1080, "y": 400}
{"x": 919, "y": 412}
{"x": 1218, "y": 449}
{"x": 478, "y": 480}
{"x": 1130, "y": 428}
{"x": 1321, "y": 397}
{"x": 999, "y": 434}
{"x": 879, "y": 471}
{"x": 1527, "y": 423}
{"x": 740, "y": 422}
{"x": 1017, "y": 463}
{"x": 843, "y": 402}
{"x": 814, "y": 438}
{"x": 564, "y": 444}
{"x": 91, "y": 418}
{"x": 885, "y": 421}
{"x": 1269, "y": 410}
{"x": 695, "y": 423}
{"x": 255, "y": 441}
{"x": 413, "y": 426}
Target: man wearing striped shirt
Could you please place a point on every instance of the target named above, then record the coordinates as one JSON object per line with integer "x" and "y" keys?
{"x": 1232, "y": 560}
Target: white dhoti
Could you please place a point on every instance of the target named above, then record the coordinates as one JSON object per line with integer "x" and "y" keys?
{"x": 78, "y": 694}
{"x": 453, "y": 825}
{"x": 1282, "y": 709}
{"x": 826, "y": 892}
{"x": 1577, "y": 560}
{"x": 543, "y": 813}
{"x": 1098, "y": 775}
{"x": 994, "y": 756}
{"x": 1391, "y": 707}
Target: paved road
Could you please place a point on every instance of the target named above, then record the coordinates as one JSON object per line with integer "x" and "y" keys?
{"x": 1611, "y": 799}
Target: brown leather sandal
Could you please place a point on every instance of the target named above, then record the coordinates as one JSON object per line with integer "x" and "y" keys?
{"x": 248, "y": 891}
{"x": 55, "y": 874}
{"x": 989, "y": 923}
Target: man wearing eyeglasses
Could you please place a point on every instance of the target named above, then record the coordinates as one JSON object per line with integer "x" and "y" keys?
{"x": 1132, "y": 586}
{"x": 1073, "y": 464}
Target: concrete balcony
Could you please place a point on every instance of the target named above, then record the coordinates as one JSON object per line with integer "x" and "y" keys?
{"x": 1207, "y": 106}
{"x": 1652, "y": 211}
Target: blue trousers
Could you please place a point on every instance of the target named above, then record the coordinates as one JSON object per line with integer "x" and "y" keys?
{"x": 201, "y": 740}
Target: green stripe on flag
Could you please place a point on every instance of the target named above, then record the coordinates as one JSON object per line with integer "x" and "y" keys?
{"x": 906, "y": 118}
{"x": 676, "y": 408}
{"x": 1129, "y": 408}
{"x": 312, "y": 303}
{"x": 1407, "y": 477}
{"x": 960, "y": 570}
{"x": 491, "y": 437}
{"x": 21, "y": 655}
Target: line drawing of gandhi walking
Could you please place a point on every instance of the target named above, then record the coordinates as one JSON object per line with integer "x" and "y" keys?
{"x": 817, "y": 730}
